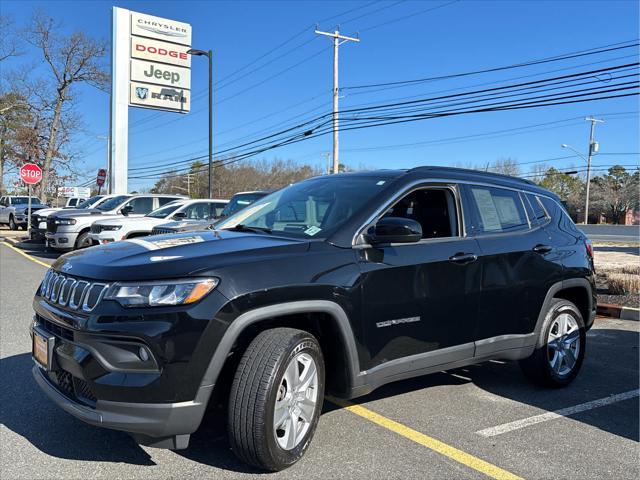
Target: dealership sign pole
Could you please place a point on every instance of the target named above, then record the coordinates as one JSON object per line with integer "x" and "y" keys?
{"x": 150, "y": 68}
{"x": 31, "y": 174}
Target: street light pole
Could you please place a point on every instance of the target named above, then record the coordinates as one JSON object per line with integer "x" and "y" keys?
{"x": 209, "y": 54}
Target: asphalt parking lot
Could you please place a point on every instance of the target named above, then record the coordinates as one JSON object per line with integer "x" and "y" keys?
{"x": 476, "y": 422}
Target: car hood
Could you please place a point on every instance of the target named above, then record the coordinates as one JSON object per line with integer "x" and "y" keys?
{"x": 34, "y": 207}
{"x": 78, "y": 212}
{"x": 187, "y": 224}
{"x": 110, "y": 220}
{"x": 174, "y": 256}
{"x": 45, "y": 212}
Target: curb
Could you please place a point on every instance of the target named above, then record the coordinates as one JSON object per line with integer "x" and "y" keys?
{"x": 618, "y": 311}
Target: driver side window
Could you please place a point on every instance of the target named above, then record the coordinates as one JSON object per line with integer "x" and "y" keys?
{"x": 433, "y": 208}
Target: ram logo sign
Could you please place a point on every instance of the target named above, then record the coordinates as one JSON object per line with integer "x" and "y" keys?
{"x": 160, "y": 97}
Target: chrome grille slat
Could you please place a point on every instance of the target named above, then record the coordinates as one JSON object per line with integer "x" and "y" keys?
{"x": 68, "y": 291}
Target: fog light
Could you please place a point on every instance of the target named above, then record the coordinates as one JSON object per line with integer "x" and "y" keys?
{"x": 143, "y": 354}
{"x": 63, "y": 240}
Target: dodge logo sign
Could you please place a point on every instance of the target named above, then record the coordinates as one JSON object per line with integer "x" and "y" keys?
{"x": 157, "y": 51}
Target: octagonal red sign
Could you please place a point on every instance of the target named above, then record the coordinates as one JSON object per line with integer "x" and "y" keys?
{"x": 30, "y": 173}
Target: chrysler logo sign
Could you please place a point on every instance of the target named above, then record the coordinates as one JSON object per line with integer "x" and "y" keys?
{"x": 160, "y": 28}
{"x": 168, "y": 32}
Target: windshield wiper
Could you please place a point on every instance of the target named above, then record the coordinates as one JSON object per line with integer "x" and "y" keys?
{"x": 244, "y": 228}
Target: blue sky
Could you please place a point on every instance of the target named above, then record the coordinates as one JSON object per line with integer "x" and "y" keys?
{"x": 463, "y": 36}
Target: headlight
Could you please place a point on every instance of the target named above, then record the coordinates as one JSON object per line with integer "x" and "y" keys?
{"x": 64, "y": 221}
{"x": 161, "y": 293}
{"x": 109, "y": 228}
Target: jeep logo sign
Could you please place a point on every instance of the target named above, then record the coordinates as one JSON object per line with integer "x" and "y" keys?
{"x": 158, "y": 73}
{"x": 157, "y": 51}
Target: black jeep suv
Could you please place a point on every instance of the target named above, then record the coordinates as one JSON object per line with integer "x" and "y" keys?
{"x": 335, "y": 284}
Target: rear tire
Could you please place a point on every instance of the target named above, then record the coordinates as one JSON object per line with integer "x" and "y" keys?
{"x": 560, "y": 349}
{"x": 83, "y": 241}
{"x": 276, "y": 398}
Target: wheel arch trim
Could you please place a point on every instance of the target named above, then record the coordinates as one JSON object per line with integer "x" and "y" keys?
{"x": 557, "y": 287}
{"x": 237, "y": 326}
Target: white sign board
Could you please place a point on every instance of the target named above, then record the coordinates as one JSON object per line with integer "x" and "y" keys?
{"x": 157, "y": 51}
{"x": 161, "y": 74}
{"x": 150, "y": 68}
{"x": 160, "y": 28}
{"x": 82, "y": 192}
{"x": 158, "y": 96}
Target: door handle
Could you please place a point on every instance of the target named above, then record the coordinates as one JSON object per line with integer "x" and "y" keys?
{"x": 542, "y": 249}
{"x": 463, "y": 258}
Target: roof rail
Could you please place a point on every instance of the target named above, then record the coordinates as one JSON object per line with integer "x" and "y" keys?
{"x": 480, "y": 173}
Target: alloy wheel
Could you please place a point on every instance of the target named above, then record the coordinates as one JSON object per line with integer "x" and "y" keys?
{"x": 296, "y": 401}
{"x": 563, "y": 344}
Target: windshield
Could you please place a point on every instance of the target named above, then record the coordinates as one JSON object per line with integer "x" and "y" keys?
{"x": 240, "y": 201}
{"x": 89, "y": 202}
{"x": 164, "y": 212}
{"x": 313, "y": 208}
{"x": 23, "y": 200}
{"x": 112, "y": 203}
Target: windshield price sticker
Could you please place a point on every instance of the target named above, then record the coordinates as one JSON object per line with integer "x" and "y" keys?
{"x": 311, "y": 231}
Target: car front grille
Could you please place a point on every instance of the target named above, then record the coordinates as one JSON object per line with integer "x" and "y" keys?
{"x": 52, "y": 227}
{"x": 36, "y": 219}
{"x": 70, "y": 292}
{"x": 161, "y": 231}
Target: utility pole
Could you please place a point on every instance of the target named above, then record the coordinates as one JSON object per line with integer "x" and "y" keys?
{"x": 337, "y": 41}
{"x": 593, "y": 147}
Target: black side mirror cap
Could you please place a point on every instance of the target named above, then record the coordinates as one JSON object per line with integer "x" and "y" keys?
{"x": 126, "y": 210}
{"x": 395, "y": 230}
{"x": 180, "y": 215}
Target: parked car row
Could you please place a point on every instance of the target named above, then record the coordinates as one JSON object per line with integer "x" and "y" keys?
{"x": 109, "y": 218}
{"x": 339, "y": 283}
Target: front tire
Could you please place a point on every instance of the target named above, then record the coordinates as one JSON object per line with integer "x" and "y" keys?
{"x": 12, "y": 223}
{"x": 83, "y": 241}
{"x": 276, "y": 398}
{"x": 560, "y": 350}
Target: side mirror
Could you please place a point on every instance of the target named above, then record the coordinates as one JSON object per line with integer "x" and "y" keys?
{"x": 178, "y": 215}
{"x": 395, "y": 230}
{"x": 126, "y": 210}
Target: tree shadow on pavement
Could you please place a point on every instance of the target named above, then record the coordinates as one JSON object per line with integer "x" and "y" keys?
{"x": 28, "y": 412}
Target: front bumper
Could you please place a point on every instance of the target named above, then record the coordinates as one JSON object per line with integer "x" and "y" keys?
{"x": 96, "y": 374}
{"x": 106, "y": 236}
{"x": 61, "y": 240}
{"x": 164, "y": 425}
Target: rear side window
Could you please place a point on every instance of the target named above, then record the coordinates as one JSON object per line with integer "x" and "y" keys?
{"x": 497, "y": 210}
{"x": 164, "y": 200}
{"x": 142, "y": 205}
{"x": 540, "y": 215}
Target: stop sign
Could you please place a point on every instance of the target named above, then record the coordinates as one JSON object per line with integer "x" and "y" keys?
{"x": 30, "y": 173}
{"x": 102, "y": 175}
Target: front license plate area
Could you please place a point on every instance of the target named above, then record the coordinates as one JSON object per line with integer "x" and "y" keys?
{"x": 41, "y": 350}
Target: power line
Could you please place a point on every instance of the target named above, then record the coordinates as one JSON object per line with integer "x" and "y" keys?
{"x": 582, "y": 53}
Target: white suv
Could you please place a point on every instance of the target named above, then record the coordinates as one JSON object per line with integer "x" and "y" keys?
{"x": 70, "y": 230}
{"x": 120, "y": 228}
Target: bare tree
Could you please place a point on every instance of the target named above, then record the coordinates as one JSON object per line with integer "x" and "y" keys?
{"x": 8, "y": 40}
{"x": 505, "y": 166}
{"x": 71, "y": 60}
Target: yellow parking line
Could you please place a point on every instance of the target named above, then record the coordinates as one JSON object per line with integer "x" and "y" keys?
{"x": 431, "y": 443}
{"x": 26, "y": 255}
